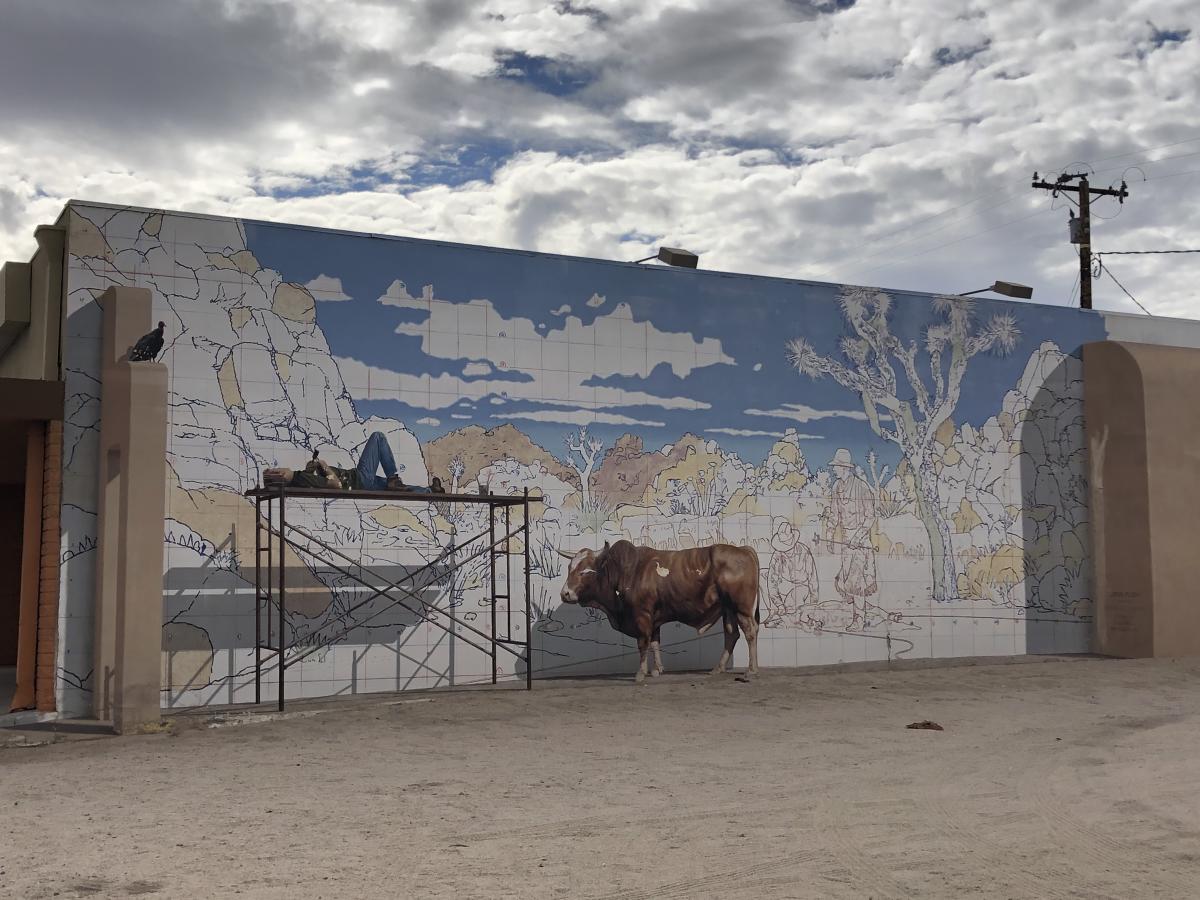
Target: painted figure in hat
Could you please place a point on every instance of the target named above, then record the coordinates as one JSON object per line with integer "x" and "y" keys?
{"x": 853, "y": 518}
{"x": 791, "y": 577}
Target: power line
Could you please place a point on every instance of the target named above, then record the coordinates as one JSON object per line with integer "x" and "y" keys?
{"x": 920, "y": 237}
{"x": 1190, "y": 140}
{"x": 1174, "y": 175}
{"x": 1108, "y": 271}
{"x": 1036, "y": 212}
{"x": 1150, "y": 162}
{"x": 1140, "y": 252}
{"x": 824, "y": 264}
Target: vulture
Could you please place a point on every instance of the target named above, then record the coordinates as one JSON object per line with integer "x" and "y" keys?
{"x": 149, "y": 345}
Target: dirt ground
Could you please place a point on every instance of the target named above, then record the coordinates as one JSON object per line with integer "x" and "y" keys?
{"x": 1076, "y": 778}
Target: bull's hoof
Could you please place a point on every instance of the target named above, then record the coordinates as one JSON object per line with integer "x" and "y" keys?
{"x": 639, "y": 677}
{"x": 716, "y": 670}
{"x": 656, "y": 673}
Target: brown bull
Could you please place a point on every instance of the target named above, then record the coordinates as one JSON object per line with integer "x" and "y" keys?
{"x": 640, "y": 589}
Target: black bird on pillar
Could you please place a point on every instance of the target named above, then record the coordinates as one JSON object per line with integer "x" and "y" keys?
{"x": 148, "y": 346}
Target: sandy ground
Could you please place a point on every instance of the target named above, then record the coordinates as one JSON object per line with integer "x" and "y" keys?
{"x": 1051, "y": 779}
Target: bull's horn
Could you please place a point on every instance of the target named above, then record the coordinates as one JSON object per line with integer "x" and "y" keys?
{"x": 564, "y": 553}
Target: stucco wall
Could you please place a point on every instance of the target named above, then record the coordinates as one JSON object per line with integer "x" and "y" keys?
{"x": 1142, "y": 430}
{"x": 911, "y": 469}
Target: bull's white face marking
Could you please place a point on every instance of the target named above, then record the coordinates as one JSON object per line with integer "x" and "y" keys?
{"x": 575, "y": 571}
{"x": 576, "y": 560}
{"x": 662, "y": 570}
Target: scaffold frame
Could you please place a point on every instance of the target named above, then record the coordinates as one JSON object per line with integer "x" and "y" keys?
{"x": 272, "y": 538}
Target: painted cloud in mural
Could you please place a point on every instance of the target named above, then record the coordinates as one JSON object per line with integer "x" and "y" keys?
{"x": 553, "y": 369}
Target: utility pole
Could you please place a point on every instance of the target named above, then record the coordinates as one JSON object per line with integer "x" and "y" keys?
{"x": 1083, "y": 191}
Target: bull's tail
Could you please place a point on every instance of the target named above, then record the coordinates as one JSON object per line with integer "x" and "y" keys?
{"x": 757, "y": 595}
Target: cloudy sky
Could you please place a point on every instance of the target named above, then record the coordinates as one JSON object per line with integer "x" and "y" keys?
{"x": 873, "y": 142}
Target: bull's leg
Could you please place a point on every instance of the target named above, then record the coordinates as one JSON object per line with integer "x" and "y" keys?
{"x": 656, "y": 647}
{"x": 750, "y": 630}
{"x": 643, "y": 647}
{"x": 731, "y": 636}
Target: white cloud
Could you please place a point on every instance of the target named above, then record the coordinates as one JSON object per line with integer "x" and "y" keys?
{"x": 561, "y": 311}
{"x": 596, "y": 300}
{"x": 327, "y": 288}
{"x": 868, "y": 145}
{"x": 743, "y": 432}
{"x": 577, "y": 417}
{"x": 460, "y": 416}
{"x": 798, "y": 412}
{"x": 362, "y": 88}
{"x": 758, "y": 367}
{"x": 477, "y": 368}
{"x": 429, "y": 420}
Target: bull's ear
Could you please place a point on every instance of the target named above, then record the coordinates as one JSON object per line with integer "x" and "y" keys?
{"x": 606, "y": 545}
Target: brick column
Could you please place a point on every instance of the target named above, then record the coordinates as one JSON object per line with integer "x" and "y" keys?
{"x": 48, "y": 587}
{"x": 129, "y": 561}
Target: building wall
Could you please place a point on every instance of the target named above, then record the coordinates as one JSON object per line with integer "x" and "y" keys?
{"x": 34, "y": 352}
{"x": 911, "y": 469}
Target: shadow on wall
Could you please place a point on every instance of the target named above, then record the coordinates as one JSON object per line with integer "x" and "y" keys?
{"x": 209, "y": 615}
{"x": 572, "y": 640}
{"x": 1054, "y": 501}
{"x": 210, "y": 610}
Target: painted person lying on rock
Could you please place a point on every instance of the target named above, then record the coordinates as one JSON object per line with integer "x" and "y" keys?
{"x": 376, "y": 455}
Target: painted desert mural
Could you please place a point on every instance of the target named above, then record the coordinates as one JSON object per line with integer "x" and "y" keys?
{"x": 910, "y": 468}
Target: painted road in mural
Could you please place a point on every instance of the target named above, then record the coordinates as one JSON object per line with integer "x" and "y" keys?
{"x": 910, "y": 469}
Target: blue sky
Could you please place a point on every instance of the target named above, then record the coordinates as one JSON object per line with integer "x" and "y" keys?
{"x": 752, "y": 318}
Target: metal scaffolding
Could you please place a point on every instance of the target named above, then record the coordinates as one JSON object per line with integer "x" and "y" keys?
{"x": 273, "y": 534}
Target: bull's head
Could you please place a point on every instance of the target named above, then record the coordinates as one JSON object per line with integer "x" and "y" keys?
{"x": 582, "y": 575}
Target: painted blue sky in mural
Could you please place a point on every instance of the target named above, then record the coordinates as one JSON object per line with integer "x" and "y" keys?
{"x": 715, "y": 362}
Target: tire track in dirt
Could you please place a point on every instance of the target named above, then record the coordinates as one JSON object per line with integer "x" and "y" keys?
{"x": 1094, "y": 844}
{"x": 965, "y": 831}
{"x": 799, "y": 817}
{"x": 718, "y": 882}
{"x": 864, "y": 869}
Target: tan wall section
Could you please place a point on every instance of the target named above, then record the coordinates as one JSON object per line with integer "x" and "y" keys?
{"x": 129, "y": 563}
{"x": 1143, "y": 430}
{"x": 34, "y": 352}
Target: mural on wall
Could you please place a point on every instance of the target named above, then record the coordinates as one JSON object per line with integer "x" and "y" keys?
{"x": 910, "y": 469}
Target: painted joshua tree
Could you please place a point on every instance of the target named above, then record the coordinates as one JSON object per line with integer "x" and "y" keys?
{"x": 588, "y": 449}
{"x": 873, "y": 353}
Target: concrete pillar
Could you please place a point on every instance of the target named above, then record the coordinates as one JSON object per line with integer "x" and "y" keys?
{"x": 129, "y": 560}
{"x": 1143, "y": 428}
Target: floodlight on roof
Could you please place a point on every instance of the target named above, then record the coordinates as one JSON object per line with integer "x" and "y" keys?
{"x": 1007, "y": 288}
{"x": 673, "y": 256}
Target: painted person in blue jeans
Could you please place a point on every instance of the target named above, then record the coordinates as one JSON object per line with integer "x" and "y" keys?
{"x": 376, "y": 454}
